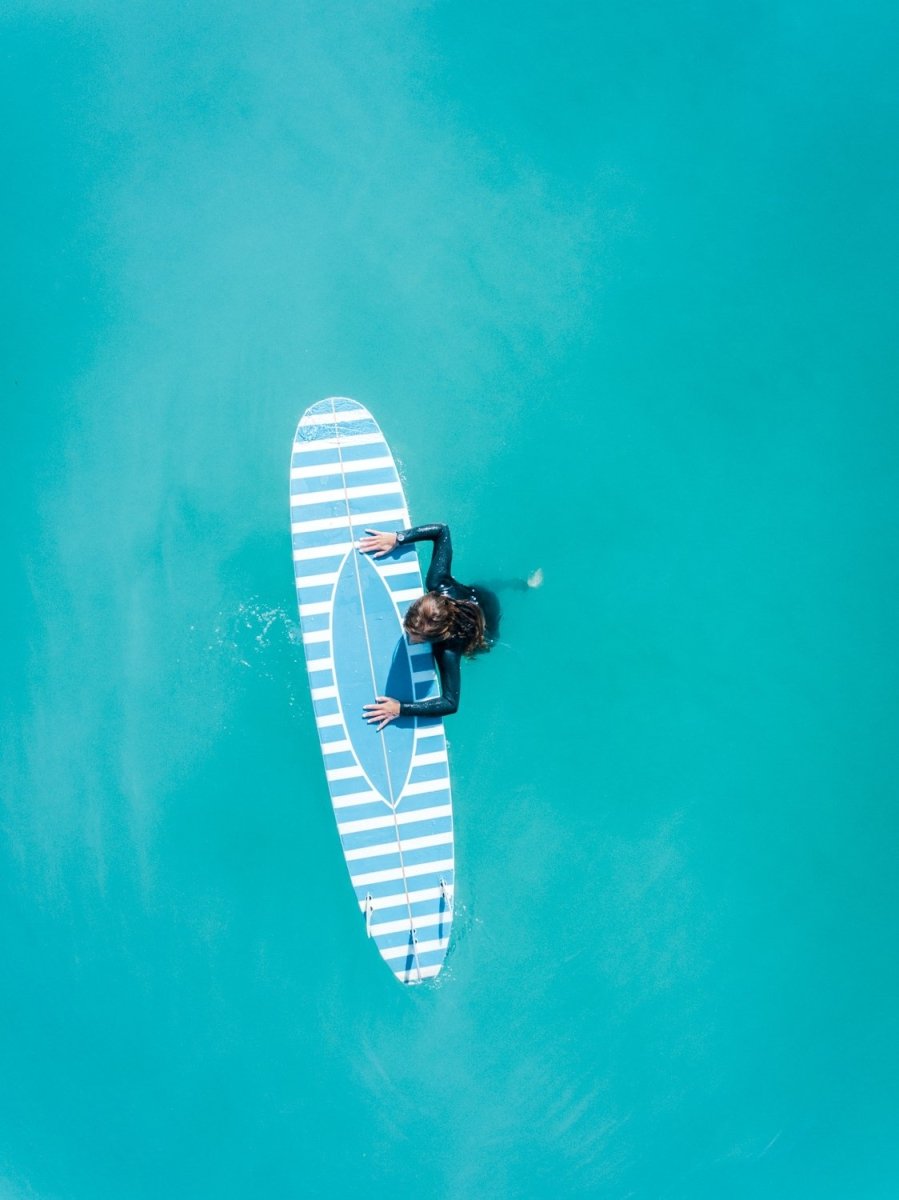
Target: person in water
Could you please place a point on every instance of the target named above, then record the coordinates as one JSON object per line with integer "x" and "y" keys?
{"x": 455, "y": 618}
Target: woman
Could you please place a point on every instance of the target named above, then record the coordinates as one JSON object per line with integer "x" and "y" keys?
{"x": 455, "y": 618}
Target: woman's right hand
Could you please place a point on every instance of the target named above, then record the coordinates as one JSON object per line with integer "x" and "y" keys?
{"x": 377, "y": 543}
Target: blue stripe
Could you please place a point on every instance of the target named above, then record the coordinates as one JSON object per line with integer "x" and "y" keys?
{"x": 411, "y": 858}
{"x": 420, "y": 909}
{"x": 327, "y": 537}
{"x": 316, "y": 594}
{"x": 422, "y": 800}
{"x": 442, "y": 796}
{"x": 366, "y": 504}
{"x": 343, "y": 758}
{"x": 335, "y": 404}
{"x": 328, "y": 456}
{"x": 319, "y": 537}
{"x": 389, "y": 887}
{"x": 432, "y": 959}
{"x": 321, "y": 407}
{"x": 362, "y": 812}
{"x": 409, "y": 804}
{"x": 374, "y": 837}
{"x": 346, "y": 787}
{"x": 315, "y": 624}
{"x": 326, "y": 482}
{"x": 429, "y": 771}
{"x": 319, "y": 566}
{"x": 392, "y": 941}
{"x": 430, "y": 925}
{"x": 378, "y": 862}
{"x": 442, "y": 922}
{"x": 319, "y": 510}
{"x": 431, "y": 745}
{"x": 415, "y": 858}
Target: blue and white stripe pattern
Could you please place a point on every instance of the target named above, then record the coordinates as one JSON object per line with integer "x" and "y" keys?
{"x": 390, "y": 790}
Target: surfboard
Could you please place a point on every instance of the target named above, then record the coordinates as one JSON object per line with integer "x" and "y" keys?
{"x": 390, "y": 790}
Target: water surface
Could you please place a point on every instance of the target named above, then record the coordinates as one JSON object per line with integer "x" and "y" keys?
{"x": 619, "y": 286}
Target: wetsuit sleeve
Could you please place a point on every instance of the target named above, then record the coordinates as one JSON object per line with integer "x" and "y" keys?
{"x": 442, "y": 556}
{"x": 448, "y": 665}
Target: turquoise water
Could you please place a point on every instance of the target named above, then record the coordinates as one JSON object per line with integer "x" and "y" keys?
{"x": 619, "y": 285}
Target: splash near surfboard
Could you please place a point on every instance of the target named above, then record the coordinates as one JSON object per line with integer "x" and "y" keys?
{"x": 390, "y": 790}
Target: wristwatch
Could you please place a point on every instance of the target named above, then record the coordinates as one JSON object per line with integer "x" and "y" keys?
{"x": 400, "y": 537}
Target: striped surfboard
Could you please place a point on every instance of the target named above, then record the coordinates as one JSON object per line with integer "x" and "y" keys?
{"x": 390, "y": 790}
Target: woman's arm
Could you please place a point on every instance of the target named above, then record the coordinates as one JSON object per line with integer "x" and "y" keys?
{"x": 448, "y": 665}
{"x": 387, "y": 709}
{"x": 439, "y": 572}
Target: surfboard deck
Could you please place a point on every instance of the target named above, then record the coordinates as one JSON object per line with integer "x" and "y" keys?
{"x": 390, "y": 790}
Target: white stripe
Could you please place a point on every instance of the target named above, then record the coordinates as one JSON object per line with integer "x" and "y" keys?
{"x": 338, "y": 414}
{"x": 334, "y": 468}
{"x": 428, "y": 868}
{"x": 427, "y": 785}
{"x": 331, "y": 495}
{"x": 419, "y": 948}
{"x": 357, "y": 798}
{"x": 372, "y": 520}
{"x": 316, "y": 636}
{"x": 425, "y": 760}
{"x": 336, "y": 747}
{"x": 332, "y": 551}
{"x": 443, "y": 917}
{"x": 316, "y": 609}
{"x": 320, "y": 664}
{"x": 379, "y": 903}
{"x": 344, "y": 773}
{"x": 423, "y": 676}
{"x": 429, "y": 730}
{"x": 324, "y": 693}
{"x": 407, "y": 594}
{"x": 419, "y": 648}
{"x": 324, "y": 580}
{"x": 402, "y": 818}
{"x": 387, "y": 569}
{"x": 382, "y": 848}
{"x": 329, "y": 443}
{"x": 328, "y": 720}
{"x": 417, "y": 973}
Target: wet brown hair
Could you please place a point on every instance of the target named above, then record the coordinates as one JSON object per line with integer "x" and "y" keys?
{"x": 439, "y": 618}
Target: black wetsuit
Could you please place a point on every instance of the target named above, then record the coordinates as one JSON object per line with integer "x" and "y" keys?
{"x": 448, "y": 654}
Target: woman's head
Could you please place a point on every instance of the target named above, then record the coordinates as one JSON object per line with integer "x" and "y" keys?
{"x": 438, "y": 618}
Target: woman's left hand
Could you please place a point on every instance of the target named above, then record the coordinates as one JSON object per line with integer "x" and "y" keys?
{"x": 382, "y": 713}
